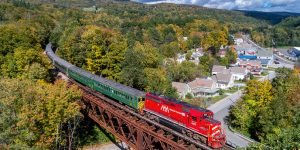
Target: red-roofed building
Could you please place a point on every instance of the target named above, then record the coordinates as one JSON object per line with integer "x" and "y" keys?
{"x": 252, "y": 66}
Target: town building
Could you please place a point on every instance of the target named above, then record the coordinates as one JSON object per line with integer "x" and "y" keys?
{"x": 222, "y": 53}
{"x": 203, "y": 87}
{"x": 238, "y": 73}
{"x": 284, "y": 53}
{"x": 195, "y": 56}
{"x": 182, "y": 89}
{"x": 246, "y": 51}
{"x": 224, "y": 81}
{"x": 185, "y": 38}
{"x": 265, "y": 57}
{"x": 218, "y": 69}
{"x": 180, "y": 58}
{"x": 238, "y": 41}
{"x": 295, "y": 53}
{"x": 252, "y": 66}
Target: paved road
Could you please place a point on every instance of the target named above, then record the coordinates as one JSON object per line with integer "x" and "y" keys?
{"x": 221, "y": 111}
{"x": 247, "y": 39}
{"x": 283, "y": 60}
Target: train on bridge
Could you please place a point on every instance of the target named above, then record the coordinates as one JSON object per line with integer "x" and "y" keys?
{"x": 193, "y": 121}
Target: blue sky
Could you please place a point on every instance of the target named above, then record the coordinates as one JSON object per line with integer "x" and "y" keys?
{"x": 259, "y": 5}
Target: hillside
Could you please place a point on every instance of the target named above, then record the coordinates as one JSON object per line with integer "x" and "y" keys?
{"x": 272, "y": 17}
{"x": 292, "y": 22}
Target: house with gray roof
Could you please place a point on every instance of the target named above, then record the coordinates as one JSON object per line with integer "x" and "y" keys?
{"x": 204, "y": 87}
{"x": 219, "y": 69}
{"x": 182, "y": 89}
{"x": 238, "y": 73}
{"x": 224, "y": 80}
{"x": 265, "y": 57}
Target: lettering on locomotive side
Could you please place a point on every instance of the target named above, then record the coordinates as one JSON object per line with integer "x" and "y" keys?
{"x": 165, "y": 108}
{"x": 181, "y": 113}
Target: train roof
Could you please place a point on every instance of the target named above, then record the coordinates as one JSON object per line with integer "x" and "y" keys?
{"x": 120, "y": 87}
{"x": 110, "y": 83}
{"x": 181, "y": 103}
{"x": 54, "y": 57}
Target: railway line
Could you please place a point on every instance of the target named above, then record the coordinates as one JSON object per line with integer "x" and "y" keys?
{"x": 124, "y": 121}
{"x": 165, "y": 138}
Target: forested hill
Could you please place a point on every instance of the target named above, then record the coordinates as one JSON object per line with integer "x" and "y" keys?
{"x": 193, "y": 10}
{"x": 272, "y": 17}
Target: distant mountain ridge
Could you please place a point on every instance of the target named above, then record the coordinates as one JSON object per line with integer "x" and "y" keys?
{"x": 269, "y": 17}
{"x": 272, "y": 17}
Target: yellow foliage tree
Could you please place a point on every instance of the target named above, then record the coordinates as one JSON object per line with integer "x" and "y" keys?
{"x": 258, "y": 94}
{"x": 33, "y": 114}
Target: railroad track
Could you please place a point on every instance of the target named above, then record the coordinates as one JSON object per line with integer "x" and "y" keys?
{"x": 126, "y": 119}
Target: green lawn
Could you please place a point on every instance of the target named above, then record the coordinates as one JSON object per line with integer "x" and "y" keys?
{"x": 256, "y": 78}
{"x": 216, "y": 98}
{"x": 239, "y": 81}
{"x": 264, "y": 73}
{"x": 270, "y": 69}
{"x": 231, "y": 90}
{"x": 204, "y": 102}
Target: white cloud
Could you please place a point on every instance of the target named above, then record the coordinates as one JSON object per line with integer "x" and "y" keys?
{"x": 261, "y": 5}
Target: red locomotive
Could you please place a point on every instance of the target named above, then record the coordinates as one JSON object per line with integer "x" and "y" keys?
{"x": 185, "y": 118}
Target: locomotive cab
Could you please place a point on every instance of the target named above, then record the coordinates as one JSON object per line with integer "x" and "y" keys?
{"x": 204, "y": 123}
{"x": 216, "y": 135}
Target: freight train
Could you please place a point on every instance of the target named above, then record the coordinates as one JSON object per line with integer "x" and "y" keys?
{"x": 190, "y": 120}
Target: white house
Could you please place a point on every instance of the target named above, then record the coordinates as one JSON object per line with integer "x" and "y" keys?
{"x": 219, "y": 69}
{"x": 266, "y": 57}
{"x": 182, "y": 89}
{"x": 238, "y": 41}
{"x": 238, "y": 73}
{"x": 204, "y": 87}
{"x": 224, "y": 81}
{"x": 180, "y": 58}
{"x": 185, "y": 38}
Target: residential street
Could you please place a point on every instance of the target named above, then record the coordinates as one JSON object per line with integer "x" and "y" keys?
{"x": 283, "y": 60}
{"x": 221, "y": 110}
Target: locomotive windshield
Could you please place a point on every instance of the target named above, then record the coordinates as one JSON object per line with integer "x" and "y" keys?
{"x": 207, "y": 116}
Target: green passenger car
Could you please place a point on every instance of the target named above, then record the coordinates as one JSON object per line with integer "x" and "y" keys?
{"x": 121, "y": 96}
{"x": 107, "y": 87}
{"x": 124, "y": 94}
